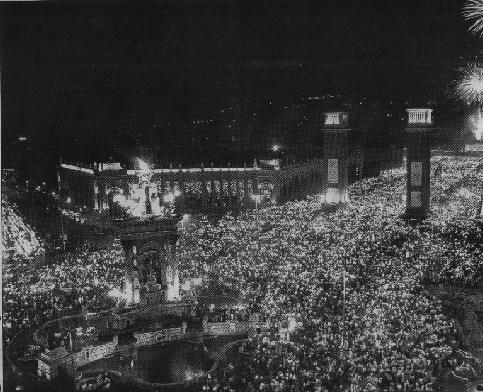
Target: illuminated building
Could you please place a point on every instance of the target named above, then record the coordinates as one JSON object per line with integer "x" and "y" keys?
{"x": 109, "y": 188}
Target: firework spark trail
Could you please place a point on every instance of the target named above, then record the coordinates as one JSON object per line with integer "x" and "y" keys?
{"x": 473, "y": 12}
{"x": 470, "y": 84}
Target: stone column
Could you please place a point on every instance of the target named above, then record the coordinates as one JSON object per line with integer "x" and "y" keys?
{"x": 336, "y": 158}
{"x": 105, "y": 198}
{"x": 238, "y": 190}
{"x": 173, "y": 279}
{"x": 213, "y": 189}
{"x": 277, "y": 184}
{"x": 222, "y": 191}
{"x": 230, "y": 194}
{"x": 255, "y": 185}
{"x": 96, "y": 195}
{"x": 161, "y": 188}
{"x": 182, "y": 184}
{"x": 246, "y": 196}
{"x": 204, "y": 193}
{"x": 418, "y": 163}
{"x": 131, "y": 281}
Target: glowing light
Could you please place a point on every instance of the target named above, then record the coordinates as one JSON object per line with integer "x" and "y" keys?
{"x": 143, "y": 166}
{"x": 478, "y": 126}
{"x": 190, "y": 374}
{"x": 473, "y": 13}
{"x": 177, "y": 193}
{"x": 333, "y": 196}
{"x": 292, "y": 324}
{"x": 69, "y": 200}
{"x": 276, "y": 147}
{"x": 168, "y": 198}
{"x": 22, "y": 138}
{"x": 256, "y": 198}
{"x": 119, "y": 199}
{"x": 115, "y": 293}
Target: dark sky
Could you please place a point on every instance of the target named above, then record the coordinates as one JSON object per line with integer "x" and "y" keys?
{"x": 86, "y": 68}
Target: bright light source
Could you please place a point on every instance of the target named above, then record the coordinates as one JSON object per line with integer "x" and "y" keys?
{"x": 119, "y": 199}
{"x": 22, "y": 138}
{"x": 478, "y": 129}
{"x": 276, "y": 147}
{"x": 168, "y": 198}
{"x": 292, "y": 324}
{"x": 177, "y": 193}
{"x": 333, "y": 196}
{"x": 69, "y": 200}
{"x": 115, "y": 293}
{"x": 143, "y": 166}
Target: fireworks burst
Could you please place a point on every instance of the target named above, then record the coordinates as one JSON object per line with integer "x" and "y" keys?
{"x": 470, "y": 84}
{"x": 473, "y": 12}
{"x": 469, "y": 88}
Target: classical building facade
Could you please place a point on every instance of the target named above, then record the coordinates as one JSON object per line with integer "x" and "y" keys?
{"x": 102, "y": 187}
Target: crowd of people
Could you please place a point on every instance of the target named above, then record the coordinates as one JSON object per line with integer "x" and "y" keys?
{"x": 66, "y": 284}
{"x": 350, "y": 280}
{"x": 354, "y": 281}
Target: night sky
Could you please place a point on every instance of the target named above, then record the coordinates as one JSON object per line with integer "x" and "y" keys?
{"x": 83, "y": 71}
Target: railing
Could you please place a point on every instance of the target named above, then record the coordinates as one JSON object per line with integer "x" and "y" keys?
{"x": 163, "y": 335}
{"x": 234, "y": 327}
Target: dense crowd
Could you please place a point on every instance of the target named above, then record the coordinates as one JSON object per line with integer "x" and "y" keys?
{"x": 67, "y": 284}
{"x": 352, "y": 278}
